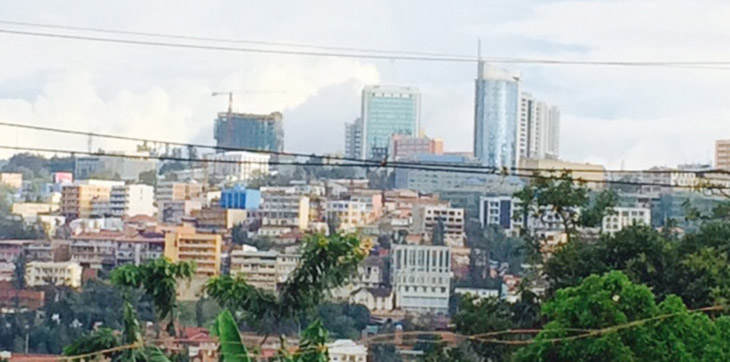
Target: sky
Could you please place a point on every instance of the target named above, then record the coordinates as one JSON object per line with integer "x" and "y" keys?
{"x": 615, "y": 116}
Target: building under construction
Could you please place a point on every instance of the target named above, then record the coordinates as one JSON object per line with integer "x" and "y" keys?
{"x": 250, "y": 131}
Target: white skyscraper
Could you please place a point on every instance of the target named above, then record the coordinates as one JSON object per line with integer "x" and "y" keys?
{"x": 539, "y": 128}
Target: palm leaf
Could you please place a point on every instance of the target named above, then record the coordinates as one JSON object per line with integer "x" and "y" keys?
{"x": 229, "y": 339}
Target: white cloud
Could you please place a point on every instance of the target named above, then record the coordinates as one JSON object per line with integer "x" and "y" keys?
{"x": 642, "y": 116}
{"x": 182, "y": 112}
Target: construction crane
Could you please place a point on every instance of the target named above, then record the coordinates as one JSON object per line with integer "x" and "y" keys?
{"x": 245, "y": 91}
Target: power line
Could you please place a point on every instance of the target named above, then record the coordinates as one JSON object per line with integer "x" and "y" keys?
{"x": 372, "y": 163}
{"x": 236, "y": 49}
{"x": 384, "y": 55}
{"x": 231, "y": 41}
{"x": 444, "y": 168}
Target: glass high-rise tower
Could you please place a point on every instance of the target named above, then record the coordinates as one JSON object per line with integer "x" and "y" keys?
{"x": 386, "y": 111}
{"x": 496, "y": 117}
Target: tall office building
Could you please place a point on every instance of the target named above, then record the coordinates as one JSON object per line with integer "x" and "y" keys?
{"x": 539, "y": 129}
{"x": 386, "y": 111}
{"x": 353, "y": 139}
{"x": 251, "y": 131}
{"x": 496, "y": 116}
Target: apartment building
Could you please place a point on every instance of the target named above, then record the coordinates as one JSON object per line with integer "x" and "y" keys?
{"x": 43, "y": 273}
{"x": 257, "y": 267}
{"x": 173, "y": 212}
{"x": 139, "y": 249}
{"x": 421, "y": 277}
{"x": 77, "y": 200}
{"x": 373, "y": 200}
{"x": 215, "y": 219}
{"x": 95, "y": 249}
{"x": 503, "y": 210}
{"x": 626, "y": 216}
{"x": 284, "y": 209}
{"x": 349, "y": 214}
{"x": 426, "y": 217}
{"x": 178, "y": 191}
{"x": 263, "y": 269}
{"x": 190, "y": 246}
{"x": 285, "y": 265}
{"x": 126, "y": 201}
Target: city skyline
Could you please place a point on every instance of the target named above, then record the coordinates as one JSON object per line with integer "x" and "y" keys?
{"x": 78, "y": 91}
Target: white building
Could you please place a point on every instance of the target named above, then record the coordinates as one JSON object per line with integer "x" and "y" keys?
{"x": 426, "y": 217}
{"x": 481, "y": 293}
{"x": 377, "y": 300}
{"x": 421, "y": 277}
{"x": 127, "y": 168}
{"x": 42, "y": 273}
{"x": 263, "y": 269}
{"x": 238, "y": 165}
{"x": 346, "y": 350}
{"x": 257, "y": 267}
{"x": 284, "y": 209}
{"x": 538, "y": 128}
{"x": 285, "y": 265}
{"x": 506, "y": 211}
{"x": 503, "y": 210}
{"x": 172, "y": 212}
{"x": 626, "y": 216}
{"x": 126, "y": 201}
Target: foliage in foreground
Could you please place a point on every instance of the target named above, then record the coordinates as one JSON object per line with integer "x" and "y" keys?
{"x": 158, "y": 278}
{"x": 668, "y": 331}
{"x": 312, "y": 347}
{"x": 327, "y": 263}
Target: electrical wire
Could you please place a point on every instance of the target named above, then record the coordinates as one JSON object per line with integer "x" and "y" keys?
{"x": 373, "y": 163}
{"x": 230, "y": 41}
{"x": 383, "y": 55}
{"x": 445, "y": 168}
{"x": 235, "y": 49}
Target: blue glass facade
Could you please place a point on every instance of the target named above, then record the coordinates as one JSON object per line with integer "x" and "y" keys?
{"x": 240, "y": 198}
{"x": 496, "y": 117}
{"x": 387, "y": 111}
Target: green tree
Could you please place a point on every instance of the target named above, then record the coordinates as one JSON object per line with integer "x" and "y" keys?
{"x": 19, "y": 271}
{"x": 327, "y": 263}
{"x": 478, "y": 316}
{"x": 148, "y": 177}
{"x": 99, "y": 340}
{"x": 569, "y": 199}
{"x": 342, "y": 320}
{"x": 437, "y": 235}
{"x": 158, "y": 278}
{"x": 632, "y": 326}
